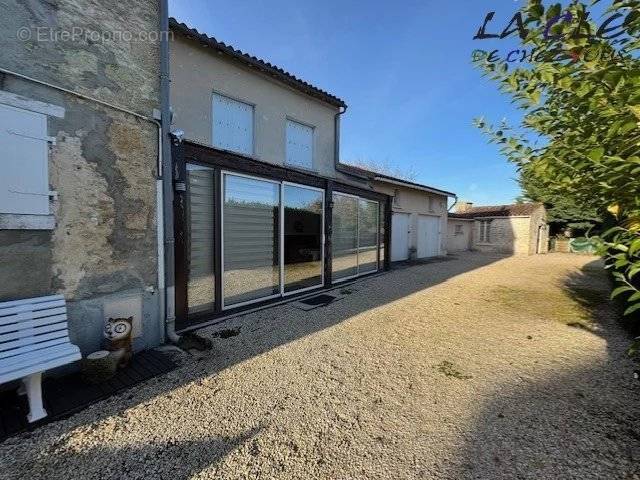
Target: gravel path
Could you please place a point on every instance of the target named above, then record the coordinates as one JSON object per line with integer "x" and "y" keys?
{"x": 475, "y": 367}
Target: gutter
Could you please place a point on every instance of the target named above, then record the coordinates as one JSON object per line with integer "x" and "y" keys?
{"x": 168, "y": 245}
{"x": 415, "y": 186}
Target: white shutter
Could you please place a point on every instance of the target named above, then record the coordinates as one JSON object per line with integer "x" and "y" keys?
{"x": 299, "y": 145}
{"x": 232, "y": 125}
{"x": 24, "y": 182}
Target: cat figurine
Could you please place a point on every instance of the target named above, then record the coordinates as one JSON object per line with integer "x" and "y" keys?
{"x": 117, "y": 333}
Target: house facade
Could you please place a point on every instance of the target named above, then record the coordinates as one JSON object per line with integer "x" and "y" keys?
{"x": 264, "y": 211}
{"x": 245, "y": 204}
{"x": 78, "y": 189}
{"x": 519, "y": 229}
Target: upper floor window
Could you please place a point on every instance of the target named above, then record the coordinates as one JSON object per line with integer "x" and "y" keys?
{"x": 299, "y": 145}
{"x": 485, "y": 230}
{"x": 24, "y": 183}
{"x": 232, "y": 125}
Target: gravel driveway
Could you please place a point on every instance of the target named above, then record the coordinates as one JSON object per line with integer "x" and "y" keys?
{"x": 473, "y": 367}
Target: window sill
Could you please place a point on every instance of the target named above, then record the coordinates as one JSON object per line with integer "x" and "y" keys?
{"x": 14, "y": 221}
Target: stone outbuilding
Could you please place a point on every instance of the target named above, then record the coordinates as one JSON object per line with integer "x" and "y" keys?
{"x": 519, "y": 228}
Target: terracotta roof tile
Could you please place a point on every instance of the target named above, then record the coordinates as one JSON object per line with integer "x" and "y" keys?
{"x": 513, "y": 210}
{"x": 262, "y": 65}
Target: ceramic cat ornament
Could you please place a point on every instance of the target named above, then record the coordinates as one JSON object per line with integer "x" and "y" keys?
{"x": 117, "y": 334}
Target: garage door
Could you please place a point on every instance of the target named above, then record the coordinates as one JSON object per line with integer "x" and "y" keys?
{"x": 428, "y": 236}
{"x": 399, "y": 237}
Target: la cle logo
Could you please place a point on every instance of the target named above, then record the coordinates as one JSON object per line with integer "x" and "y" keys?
{"x": 517, "y": 24}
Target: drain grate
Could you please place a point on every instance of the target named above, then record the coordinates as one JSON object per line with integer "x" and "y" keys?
{"x": 319, "y": 300}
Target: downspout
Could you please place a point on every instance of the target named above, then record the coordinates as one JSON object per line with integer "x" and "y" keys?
{"x": 336, "y": 136}
{"x": 167, "y": 179}
{"x": 454, "y": 203}
{"x": 336, "y": 143}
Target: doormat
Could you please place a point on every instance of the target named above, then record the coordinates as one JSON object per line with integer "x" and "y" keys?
{"x": 315, "y": 302}
{"x": 64, "y": 396}
{"x": 319, "y": 300}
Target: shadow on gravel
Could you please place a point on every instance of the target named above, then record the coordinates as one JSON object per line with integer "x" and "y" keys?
{"x": 176, "y": 460}
{"x": 262, "y": 331}
{"x": 253, "y": 334}
{"x": 581, "y": 424}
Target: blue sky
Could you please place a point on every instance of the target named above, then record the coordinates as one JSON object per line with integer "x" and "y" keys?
{"x": 404, "y": 68}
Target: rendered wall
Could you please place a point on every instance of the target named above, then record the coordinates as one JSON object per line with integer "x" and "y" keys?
{"x": 416, "y": 202}
{"x": 461, "y": 241}
{"x": 196, "y": 72}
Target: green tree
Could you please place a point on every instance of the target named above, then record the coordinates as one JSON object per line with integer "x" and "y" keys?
{"x": 579, "y": 141}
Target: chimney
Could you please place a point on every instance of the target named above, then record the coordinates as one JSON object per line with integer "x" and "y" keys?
{"x": 463, "y": 207}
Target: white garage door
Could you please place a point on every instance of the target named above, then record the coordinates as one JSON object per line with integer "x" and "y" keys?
{"x": 428, "y": 236}
{"x": 399, "y": 237}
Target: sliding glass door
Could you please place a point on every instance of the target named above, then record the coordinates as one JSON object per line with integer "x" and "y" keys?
{"x": 367, "y": 236}
{"x": 303, "y": 224}
{"x": 272, "y": 240}
{"x": 345, "y": 236}
{"x": 200, "y": 217}
{"x": 355, "y": 236}
{"x": 250, "y": 240}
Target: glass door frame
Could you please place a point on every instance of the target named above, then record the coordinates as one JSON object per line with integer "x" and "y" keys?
{"x": 362, "y": 199}
{"x": 223, "y": 174}
{"x": 358, "y": 273}
{"x": 282, "y": 293}
{"x": 190, "y": 152}
{"x": 322, "y": 239}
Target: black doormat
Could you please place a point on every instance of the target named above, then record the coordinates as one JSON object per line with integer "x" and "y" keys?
{"x": 319, "y": 300}
{"x": 67, "y": 395}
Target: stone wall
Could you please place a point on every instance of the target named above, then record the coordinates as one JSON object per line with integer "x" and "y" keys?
{"x": 515, "y": 235}
{"x": 509, "y": 235}
{"x": 102, "y": 253}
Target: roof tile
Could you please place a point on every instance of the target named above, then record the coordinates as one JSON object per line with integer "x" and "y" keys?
{"x": 263, "y": 65}
{"x": 513, "y": 210}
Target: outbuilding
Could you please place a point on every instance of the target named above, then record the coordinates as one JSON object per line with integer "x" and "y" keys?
{"x": 519, "y": 228}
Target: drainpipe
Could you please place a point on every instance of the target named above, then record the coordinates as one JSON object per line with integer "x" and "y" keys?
{"x": 454, "y": 203}
{"x": 167, "y": 179}
{"x": 336, "y": 153}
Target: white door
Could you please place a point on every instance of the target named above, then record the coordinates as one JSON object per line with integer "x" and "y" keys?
{"x": 428, "y": 236}
{"x": 399, "y": 237}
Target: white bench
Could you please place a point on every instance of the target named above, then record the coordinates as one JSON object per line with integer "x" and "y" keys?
{"x": 34, "y": 338}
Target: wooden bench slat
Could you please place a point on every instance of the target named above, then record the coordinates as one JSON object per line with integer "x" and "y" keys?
{"x": 34, "y": 338}
{"x": 38, "y": 322}
{"x": 30, "y": 301}
{"x": 32, "y": 332}
{"x": 36, "y": 356}
{"x": 4, "y": 312}
{"x": 27, "y": 341}
{"x": 19, "y": 317}
{"x": 40, "y": 367}
{"x": 31, "y": 347}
